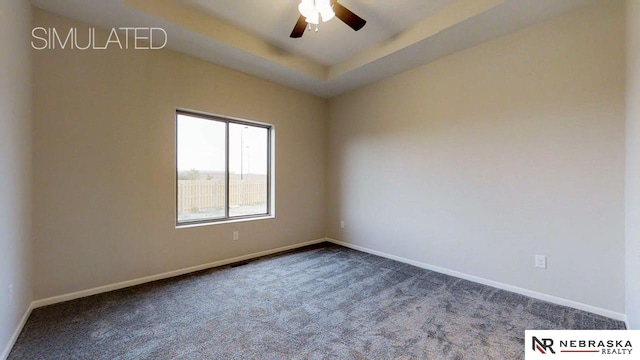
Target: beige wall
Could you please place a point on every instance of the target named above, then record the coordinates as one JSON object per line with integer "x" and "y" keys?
{"x": 104, "y": 163}
{"x": 15, "y": 167}
{"x": 633, "y": 165}
{"x": 478, "y": 161}
{"x": 474, "y": 163}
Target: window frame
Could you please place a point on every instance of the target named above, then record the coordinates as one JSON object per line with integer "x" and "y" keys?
{"x": 227, "y": 120}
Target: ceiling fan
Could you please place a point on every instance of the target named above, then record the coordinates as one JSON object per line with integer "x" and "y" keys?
{"x": 311, "y": 11}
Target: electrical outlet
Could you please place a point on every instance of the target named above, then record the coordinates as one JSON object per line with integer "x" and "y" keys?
{"x": 341, "y": 224}
{"x": 236, "y": 235}
{"x": 541, "y": 262}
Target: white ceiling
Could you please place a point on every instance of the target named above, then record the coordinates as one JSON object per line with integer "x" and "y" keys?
{"x": 252, "y": 36}
{"x": 334, "y": 42}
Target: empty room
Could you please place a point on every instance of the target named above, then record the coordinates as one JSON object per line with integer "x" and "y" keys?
{"x": 311, "y": 179}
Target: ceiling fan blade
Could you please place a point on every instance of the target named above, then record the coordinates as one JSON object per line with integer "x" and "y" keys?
{"x": 299, "y": 28}
{"x": 348, "y": 17}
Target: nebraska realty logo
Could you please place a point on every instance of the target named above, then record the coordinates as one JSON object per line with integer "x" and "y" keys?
{"x": 581, "y": 344}
{"x": 123, "y": 38}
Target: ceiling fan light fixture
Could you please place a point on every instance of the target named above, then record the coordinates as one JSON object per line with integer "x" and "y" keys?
{"x": 313, "y": 19}
{"x": 325, "y": 9}
{"x": 307, "y": 8}
{"x": 313, "y": 10}
{"x": 327, "y": 14}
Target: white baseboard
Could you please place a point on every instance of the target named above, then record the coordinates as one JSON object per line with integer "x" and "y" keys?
{"x": 530, "y": 293}
{"x": 124, "y": 284}
{"x": 16, "y": 333}
{"x": 146, "y": 279}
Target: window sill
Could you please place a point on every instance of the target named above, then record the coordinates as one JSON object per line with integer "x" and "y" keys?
{"x": 184, "y": 226}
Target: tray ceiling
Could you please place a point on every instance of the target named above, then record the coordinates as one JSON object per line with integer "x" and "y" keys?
{"x": 252, "y": 36}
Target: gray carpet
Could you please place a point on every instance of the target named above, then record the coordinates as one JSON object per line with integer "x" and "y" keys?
{"x": 318, "y": 302}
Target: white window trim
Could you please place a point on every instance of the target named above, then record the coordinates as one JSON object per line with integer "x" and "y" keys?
{"x": 271, "y": 190}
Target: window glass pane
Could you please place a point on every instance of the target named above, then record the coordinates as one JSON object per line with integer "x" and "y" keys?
{"x": 201, "y": 169}
{"x": 248, "y": 164}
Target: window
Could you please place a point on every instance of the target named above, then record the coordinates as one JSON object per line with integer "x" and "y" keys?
{"x": 223, "y": 168}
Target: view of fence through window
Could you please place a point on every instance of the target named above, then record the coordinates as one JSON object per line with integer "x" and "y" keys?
{"x": 202, "y": 157}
